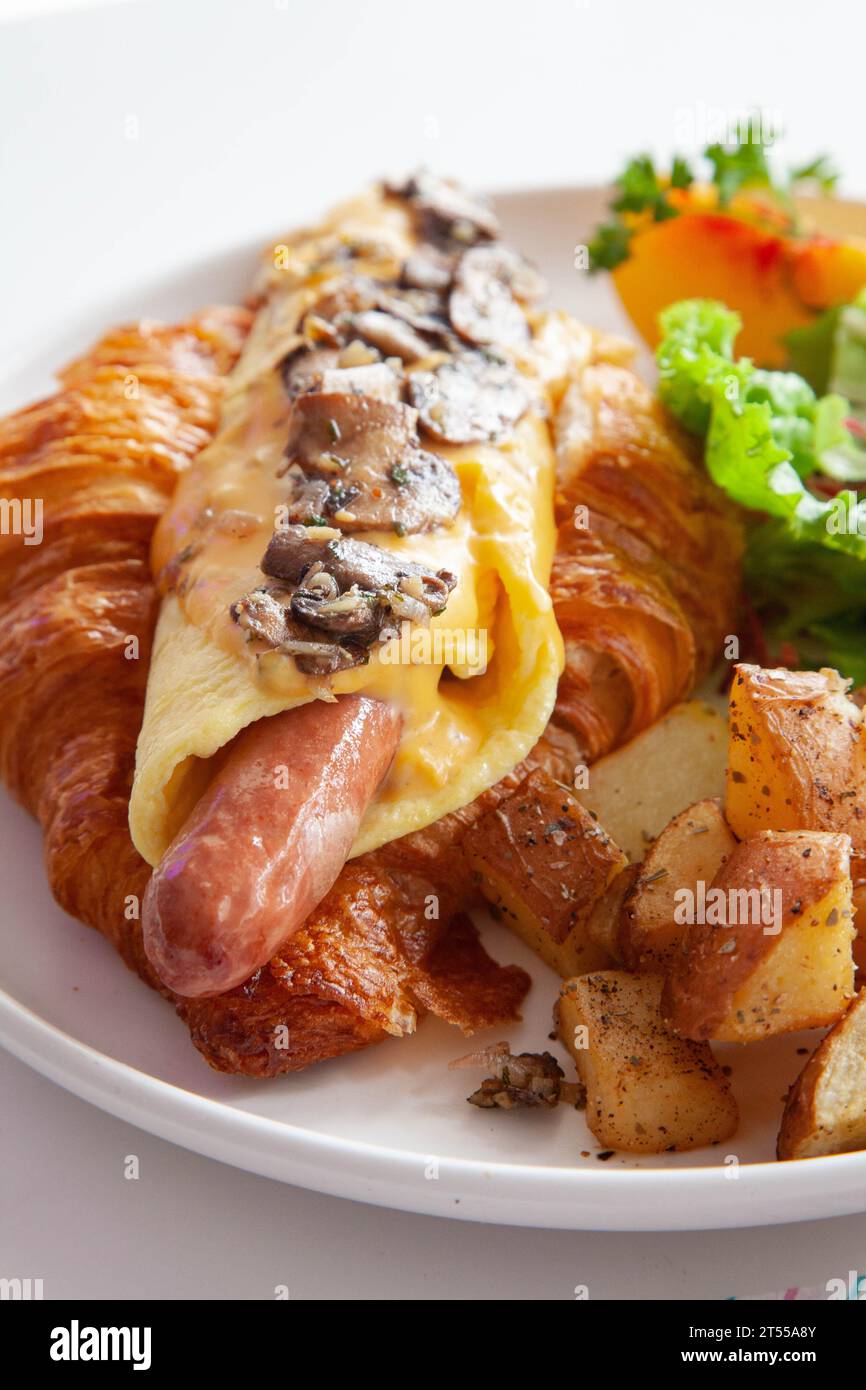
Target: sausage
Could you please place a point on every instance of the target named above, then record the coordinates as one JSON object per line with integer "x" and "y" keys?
{"x": 265, "y": 842}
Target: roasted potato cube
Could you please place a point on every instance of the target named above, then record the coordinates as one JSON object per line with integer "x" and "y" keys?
{"x": 605, "y": 921}
{"x": 826, "y": 1108}
{"x": 646, "y": 1090}
{"x": 690, "y": 850}
{"x": 770, "y": 950}
{"x": 679, "y": 760}
{"x": 542, "y": 861}
{"x": 796, "y": 757}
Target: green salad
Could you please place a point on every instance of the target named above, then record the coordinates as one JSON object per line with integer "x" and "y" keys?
{"x": 791, "y": 451}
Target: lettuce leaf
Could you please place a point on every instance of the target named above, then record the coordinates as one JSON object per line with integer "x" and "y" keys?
{"x": 766, "y": 432}
{"x": 809, "y": 596}
{"x": 767, "y": 435}
{"x": 831, "y": 352}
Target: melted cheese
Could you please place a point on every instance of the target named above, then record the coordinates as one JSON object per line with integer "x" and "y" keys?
{"x": 463, "y": 730}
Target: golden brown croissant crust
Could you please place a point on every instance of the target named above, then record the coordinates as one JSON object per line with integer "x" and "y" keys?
{"x": 642, "y": 592}
{"x": 78, "y": 615}
{"x": 647, "y": 570}
{"x": 78, "y": 610}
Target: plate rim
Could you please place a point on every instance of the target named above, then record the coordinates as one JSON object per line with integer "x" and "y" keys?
{"x": 515, "y": 1194}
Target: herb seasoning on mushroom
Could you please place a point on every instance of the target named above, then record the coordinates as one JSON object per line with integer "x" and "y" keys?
{"x": 446, "y": 212}
{"x": 336, "y": 598}
{"x": 378, "y": 357}
{"x": 527, "y": 1079}
{"x": 473, "y": 396}
{"x": 357, "y": 459}
{"x": 485, "y": 307}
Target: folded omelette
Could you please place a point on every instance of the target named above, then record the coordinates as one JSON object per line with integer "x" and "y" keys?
{"x": 374, "y": 513}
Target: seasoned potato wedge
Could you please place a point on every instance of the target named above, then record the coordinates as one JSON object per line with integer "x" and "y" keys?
{"x": 797, "y": 756}
{"x": 690, "y": 850}
{"x": 542, "y": 861}
{"x": 605, "y": 921}
{"x": 771, "y": 949}
{"x": 646, "y": 1090}
{"x": 635, "y": 790}
{"x": 826, "y": 1107}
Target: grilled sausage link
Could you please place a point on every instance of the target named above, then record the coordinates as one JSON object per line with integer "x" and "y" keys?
{"x": 265, "y": 842}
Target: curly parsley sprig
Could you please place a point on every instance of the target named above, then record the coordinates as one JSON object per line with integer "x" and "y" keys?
{"x": 731, "y": 168}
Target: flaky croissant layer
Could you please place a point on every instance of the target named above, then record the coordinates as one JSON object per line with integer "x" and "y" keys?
{"x": 644, "y": 586}
{"x": 647, "y": 569}
{"x": 100, "y": 458}
{"x": 78, "y": 615}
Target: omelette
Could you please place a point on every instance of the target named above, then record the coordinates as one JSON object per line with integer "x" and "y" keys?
{"x": 371, "y": 529}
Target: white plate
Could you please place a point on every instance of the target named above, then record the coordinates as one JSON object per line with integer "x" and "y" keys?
{"x": 389, "y": 1125}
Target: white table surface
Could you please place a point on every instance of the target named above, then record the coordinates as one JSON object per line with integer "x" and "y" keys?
{"x": 191, "y": 1228}
{"x": 137, "y": 136}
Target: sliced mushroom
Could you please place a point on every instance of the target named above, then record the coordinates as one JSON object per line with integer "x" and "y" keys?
{"x": 315, "y": 502}
{"x": 266, "y": 615}
{"x": 368, "y": 453}
{"x": 262, "y": 614}
{"x": 426, "y": 272}
{"x": 353, "y": 615}
{"x": 423, "y": 310}
{"x": 501, "y": 263}
{"x": 352, "y": 295}
{"x": 406, "y": 323}
{"x": 328, "y": 430}
{"x": 447, "y": 210}
{"x": 363, "y": 308}
{"x": 420, "y": 492}
{"x": 469, "y": 398}
{"x": 336, "y": 598}
{"x": 482, "y": 307}
{"x": 391, "y": 335}
{"x": 303, "y": 368}
{"x": 323, "y": 658}
{"x": 294, "y": 550}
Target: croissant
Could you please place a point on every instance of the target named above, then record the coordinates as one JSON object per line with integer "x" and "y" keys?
{"x": 647, "y": 568}
{"x": 78, "y": 617}
{"x": 642, "y": 588}
{"x": 99, "y": 459}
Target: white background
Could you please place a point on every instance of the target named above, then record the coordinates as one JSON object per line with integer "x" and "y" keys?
{"x": 138, "y": 136}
